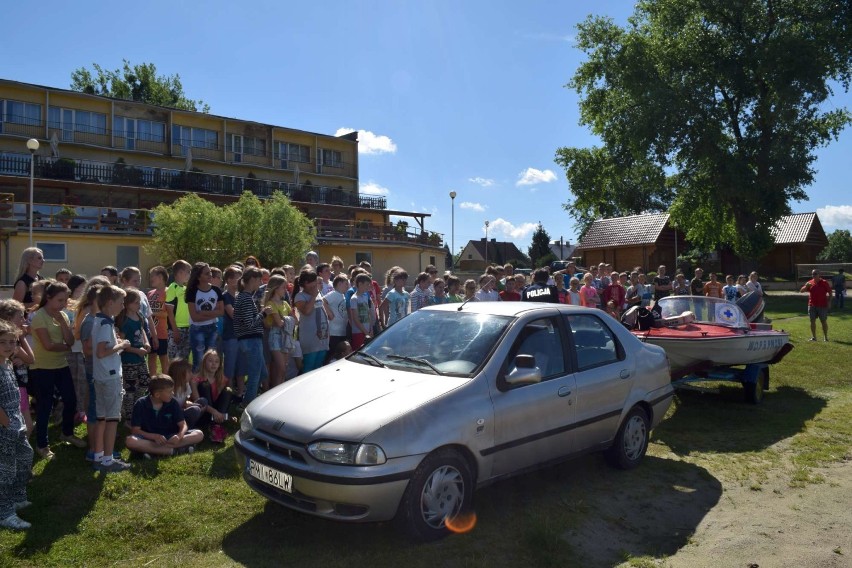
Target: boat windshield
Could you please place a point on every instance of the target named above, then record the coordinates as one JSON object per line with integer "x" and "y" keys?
{"x": 436, "y": 342}
{"x": 707, "y": 310}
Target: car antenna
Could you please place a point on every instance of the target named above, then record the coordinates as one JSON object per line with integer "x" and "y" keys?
{"x": 466, "y": 301}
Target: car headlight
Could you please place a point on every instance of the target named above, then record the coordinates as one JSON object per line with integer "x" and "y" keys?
{"x": 246, "y": 426}
{"x": 347, "y": 453}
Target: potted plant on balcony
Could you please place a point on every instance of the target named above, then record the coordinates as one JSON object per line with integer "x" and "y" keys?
{"x": 143, "y": 220}
{"x": 66, "y": 215}
{"x": 435, "y": 239}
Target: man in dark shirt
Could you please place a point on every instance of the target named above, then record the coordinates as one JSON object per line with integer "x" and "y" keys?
{"x": 662, "y": 284}
{"x": 539, "y": 291}
{"x": 696, "y": 285}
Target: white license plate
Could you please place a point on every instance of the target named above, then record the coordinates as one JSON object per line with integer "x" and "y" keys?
{"x": 279, "y": 479}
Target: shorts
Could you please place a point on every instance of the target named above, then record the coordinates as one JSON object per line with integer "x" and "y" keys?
{"x": 162, "y": 347}
{"x": 818, "y": 312}
{"x": 108, "y": 397}
{"x": 280, "y": 341}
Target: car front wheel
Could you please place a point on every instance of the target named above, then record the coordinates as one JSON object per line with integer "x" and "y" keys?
{"x": 631, "y": 442}
{"x": 440, "y": 489}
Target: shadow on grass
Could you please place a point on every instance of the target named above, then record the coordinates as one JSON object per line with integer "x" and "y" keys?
{"x": 63, "y": 494}
{"x": 553, "y": 517}
{"x": 706, "y": 421}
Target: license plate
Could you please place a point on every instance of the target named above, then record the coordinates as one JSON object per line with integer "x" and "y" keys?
{"x": 279, "y": 479}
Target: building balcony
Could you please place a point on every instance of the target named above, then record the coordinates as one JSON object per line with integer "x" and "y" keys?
{"x": 121, "y": 174}
{"x": 329, "y": 230}
{"x": 53, "y": 217}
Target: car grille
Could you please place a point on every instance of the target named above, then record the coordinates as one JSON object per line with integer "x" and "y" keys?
{"x": 272, "y": 442}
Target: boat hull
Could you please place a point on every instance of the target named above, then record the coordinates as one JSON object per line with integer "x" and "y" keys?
{"x": 692, "y": 352}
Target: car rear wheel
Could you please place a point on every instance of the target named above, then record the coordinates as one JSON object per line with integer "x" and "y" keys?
{"x": 440, "y": 489}
{"x": 631, "y": 442}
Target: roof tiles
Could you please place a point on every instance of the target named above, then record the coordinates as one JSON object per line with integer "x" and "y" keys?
{"x": 624, "y": 231}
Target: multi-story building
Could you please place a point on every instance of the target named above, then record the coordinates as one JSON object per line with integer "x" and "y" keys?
{"x": 103, "y": 164}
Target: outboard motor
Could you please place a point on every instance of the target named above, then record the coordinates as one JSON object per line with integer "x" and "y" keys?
{"x": 629, "y": 317}
{"x": 752, "y": 304}
{"x": 645, "y": 319}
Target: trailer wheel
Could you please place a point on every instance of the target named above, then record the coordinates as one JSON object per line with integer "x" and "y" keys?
{"x": 754, "y": 390}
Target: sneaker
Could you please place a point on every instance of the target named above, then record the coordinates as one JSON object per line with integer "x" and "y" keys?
{"x": 14, "y": 522}
{"x": 113, "y": 467}
{"x": 812, "y": 339}
{"x": 22, "y": 505}
{"x": 183, "y": 450}
{"x": 90, "y": 455}
{"x": 45, "y": 453}
{"x": 73, "y": 440}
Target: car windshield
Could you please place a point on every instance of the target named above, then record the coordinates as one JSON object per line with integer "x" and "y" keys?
{"x": 436, "y": 342}
{"x": 706, "y": 310}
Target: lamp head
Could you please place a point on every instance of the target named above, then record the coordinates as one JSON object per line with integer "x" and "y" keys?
{"x": 452, "y": 195}
{"x": 32, "y": 144}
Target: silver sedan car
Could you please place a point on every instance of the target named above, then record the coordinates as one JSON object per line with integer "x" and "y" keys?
{"x": 448, "y": 399}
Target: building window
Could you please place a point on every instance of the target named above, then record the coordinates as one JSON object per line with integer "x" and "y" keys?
{"x": 53, "y": 252}
{"x": 331, "y": 158}
{"x": 195, "y": 137}
{"x": 432, "y": 261}
{"x": 70, "y": 121}
{"x": 362, "y": 256}
{"x": 133, "y": 129}
{"x": 240, "y": 145}
{"x": 17, "y": 112}
{"x": 291, "y": 153}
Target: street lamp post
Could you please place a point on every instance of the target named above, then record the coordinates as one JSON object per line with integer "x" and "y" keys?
{"x": 486, "y": 244}
{"x": 453, "y": 225}
{"x": 32, "y": 146}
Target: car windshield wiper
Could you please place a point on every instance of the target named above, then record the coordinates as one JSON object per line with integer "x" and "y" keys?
{"x": 416, "y": 360}
{"x": 373, "y": 360}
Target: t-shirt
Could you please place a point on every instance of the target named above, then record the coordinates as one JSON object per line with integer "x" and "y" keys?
{"x": 106, "y": 368}
{"x": 574, "y": 297}
{"x": 616, "y": 293}
{"x": 327, "y": 287}
{"x": 227, "y": 321}
{"x": 419, "y": 298}
{"x": 755, "y": 286}
{"x": 512, "y": 296}
{"x": 157, "y": 301}
{"x": 45, "y": 359}
{"x": 361, "y": 304}
{"x": 134, "y": 331}
{"x": 176, "y": 296}
{"x": 28, "y": 281}
{"x": 164, "y": 421}
{"x": 588, "y": 296}
{"x": 696, "y": 285}
{"x": 730, "y": 292}
{"x": 204, "y": 301}
{"x": 661, "y": 281}
{"x": 397, "y": 305}
{"x": 281, "y": 308}
{"x": 818, "y": 293}
{"x": 313, "y": 327}
{"x": 839, "y": 282}
{"x": 337, "y": 304}
{"x": 713, "y": 289}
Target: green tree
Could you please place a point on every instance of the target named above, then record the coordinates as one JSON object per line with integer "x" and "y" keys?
{"x": 540, "y": 246}
{"x": 136, "y": 83}
{"x": 709, "y": 108}
{"x": 195, "y": 229}
{"x": 839, "y": 248}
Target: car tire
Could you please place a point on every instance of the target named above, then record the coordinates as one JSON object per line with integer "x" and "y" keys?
{"x": 631, "y": 442}
{"x": 440, "y": 488}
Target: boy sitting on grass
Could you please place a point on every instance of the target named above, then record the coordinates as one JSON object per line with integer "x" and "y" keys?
{"x": 157, "y": 425}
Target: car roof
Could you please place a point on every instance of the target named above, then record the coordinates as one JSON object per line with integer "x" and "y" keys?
{"x": 507, "y": 308}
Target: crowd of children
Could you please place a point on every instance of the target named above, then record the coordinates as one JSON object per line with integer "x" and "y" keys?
{"x": 169, "y": 363}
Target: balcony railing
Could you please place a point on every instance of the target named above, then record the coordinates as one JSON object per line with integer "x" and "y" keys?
{"x": 336, "y": 229}
{"x": 162, "y": 178}
{"x": 82, "y": 218}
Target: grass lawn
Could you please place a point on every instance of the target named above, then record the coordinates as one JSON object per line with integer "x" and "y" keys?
{"x": 196, "y": 510}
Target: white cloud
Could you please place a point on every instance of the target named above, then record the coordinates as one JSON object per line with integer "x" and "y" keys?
{"x": 532, "y": 176}
{"x": 839, "y": 216}
{"x": 369, "y": 143}
{"x": 484, "y": 182}
{"x": 472, "y": 206}
{"x": 372, "y": 188}
{"x": 501, "y": 226}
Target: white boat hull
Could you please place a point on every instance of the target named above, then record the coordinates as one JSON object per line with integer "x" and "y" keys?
{"x": 685, "y": 354}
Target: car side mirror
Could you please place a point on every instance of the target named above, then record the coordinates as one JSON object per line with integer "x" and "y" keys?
{"x": 525, "y": 373}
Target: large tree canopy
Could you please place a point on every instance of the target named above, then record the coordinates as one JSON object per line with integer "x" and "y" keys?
{"x": 711, "y": 109}
{"x": 136, "y": 83}
{"x": 195, "y": 229}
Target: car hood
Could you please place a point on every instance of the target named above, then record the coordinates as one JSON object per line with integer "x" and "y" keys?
{"x": 345, "y": 401}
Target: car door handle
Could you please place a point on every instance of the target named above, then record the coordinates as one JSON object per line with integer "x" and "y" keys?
{"x": 564, "y": 391}
{"x": 624, "y": 374}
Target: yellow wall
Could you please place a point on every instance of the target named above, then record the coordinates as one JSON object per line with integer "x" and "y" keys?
{"x": 23, "y": 94}
{"x": 86, "y": 254}
{"x": 412, "y": 259}
{"x": 77, "y": 102}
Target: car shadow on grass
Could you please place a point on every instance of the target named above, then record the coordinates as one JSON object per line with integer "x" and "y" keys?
{"x": 722, "y": 422}
{"x": 552, "y": 517}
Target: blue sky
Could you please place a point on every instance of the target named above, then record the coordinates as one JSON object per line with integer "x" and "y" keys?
{"x": 452, "y": 96}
